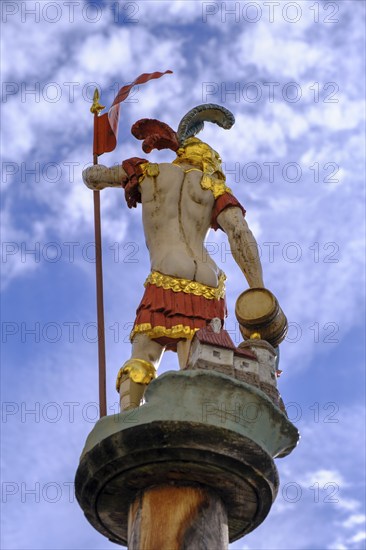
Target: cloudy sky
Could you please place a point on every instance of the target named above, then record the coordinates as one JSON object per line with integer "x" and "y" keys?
{"x": 293, "y": 75}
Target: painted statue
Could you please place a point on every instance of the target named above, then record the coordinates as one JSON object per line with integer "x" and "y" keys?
{"x": 181, "y": 201}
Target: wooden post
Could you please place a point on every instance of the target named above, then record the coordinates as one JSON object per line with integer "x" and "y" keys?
{"x": 100, "y": 305}
{"x": 95, "y": 109}
{"x": 177, "y": 518}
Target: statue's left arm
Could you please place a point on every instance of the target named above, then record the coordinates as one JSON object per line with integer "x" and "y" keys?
{"x": 98, "y": 177}
{"x": 243, "y": 244}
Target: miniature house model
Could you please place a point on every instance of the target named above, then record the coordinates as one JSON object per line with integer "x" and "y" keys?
{"x": 253, "y": 362}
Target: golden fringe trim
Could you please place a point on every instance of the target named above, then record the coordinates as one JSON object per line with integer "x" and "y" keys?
{"x": 177, "y": 331}
{"x": 176, "y": 284}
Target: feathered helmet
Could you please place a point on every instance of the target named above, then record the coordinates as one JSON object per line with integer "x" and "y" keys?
{"x": 158, "y": 135}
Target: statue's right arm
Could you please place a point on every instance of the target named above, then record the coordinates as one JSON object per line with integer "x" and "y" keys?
{"x": 98, "y": 177}
{"x": 243, "y": 245}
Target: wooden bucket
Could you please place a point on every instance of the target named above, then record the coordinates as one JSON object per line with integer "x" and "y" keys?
{"x": 259, "y": 315}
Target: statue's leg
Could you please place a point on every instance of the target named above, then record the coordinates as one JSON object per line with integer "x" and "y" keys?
{"x": 138, "y": 371}
{"x": 183, "y": 348}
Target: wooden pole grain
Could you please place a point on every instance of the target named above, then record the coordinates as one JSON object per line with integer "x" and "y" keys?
{"x": 173, "y": 517}
{"x": 100, "y": 299}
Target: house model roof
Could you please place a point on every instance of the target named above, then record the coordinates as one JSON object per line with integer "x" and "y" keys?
{"x": 222, "y": 339}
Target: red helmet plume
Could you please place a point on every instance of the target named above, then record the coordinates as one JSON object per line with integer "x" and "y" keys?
{"x": 156, "y": 135}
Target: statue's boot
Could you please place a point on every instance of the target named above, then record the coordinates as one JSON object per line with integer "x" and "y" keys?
{"x": 132, "y": 380}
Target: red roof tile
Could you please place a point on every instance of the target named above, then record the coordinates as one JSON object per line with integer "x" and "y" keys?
{"x": 220, "y": 339}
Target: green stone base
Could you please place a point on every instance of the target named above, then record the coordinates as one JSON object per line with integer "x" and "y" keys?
{"x": 196, "y": 428}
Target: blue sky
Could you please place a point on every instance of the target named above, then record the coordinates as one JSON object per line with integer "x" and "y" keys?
{"x": 293, "y": 75}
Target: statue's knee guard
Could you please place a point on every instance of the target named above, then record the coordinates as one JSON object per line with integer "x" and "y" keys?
{"x": 139, "y": 371}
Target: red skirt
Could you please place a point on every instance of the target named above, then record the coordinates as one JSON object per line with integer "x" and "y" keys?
{"x": 168, "y": 317}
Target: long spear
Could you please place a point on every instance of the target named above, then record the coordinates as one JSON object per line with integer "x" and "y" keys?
{"x": 95, "y": 109}
{"x": 105, "y": 141}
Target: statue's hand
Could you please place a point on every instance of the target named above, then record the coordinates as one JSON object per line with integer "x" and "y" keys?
{"x": 96, "y": 177}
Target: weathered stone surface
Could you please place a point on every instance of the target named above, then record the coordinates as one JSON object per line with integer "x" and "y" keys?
{"x": 197, "y": 428}
{"x": 112, "y": 473}
{"x": 209, "y": 398}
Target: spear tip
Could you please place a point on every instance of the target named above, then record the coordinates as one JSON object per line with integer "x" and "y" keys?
{"x": 96, "y": 106}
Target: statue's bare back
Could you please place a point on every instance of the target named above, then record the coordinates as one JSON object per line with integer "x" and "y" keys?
{"x": 176, "y": 215}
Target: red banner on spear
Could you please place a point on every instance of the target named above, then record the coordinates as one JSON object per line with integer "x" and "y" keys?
{"x": 106, "y": 126}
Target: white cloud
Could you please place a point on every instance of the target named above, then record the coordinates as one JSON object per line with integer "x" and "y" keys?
{"x": 182, "y": 12}
{"x": 15, "y": 259}
{"x": 358, "y": 537}
{"x": 349, "y": 504}
{"x": 267, "y": 52}
{"x": 337, "y": 546}
{"x": 35, "y": 42}
{"x": 100, "y": 53}
{"x": 324, "y": 476}
{"x": 354, "y": 519}
{"x": 344, "y": 115}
